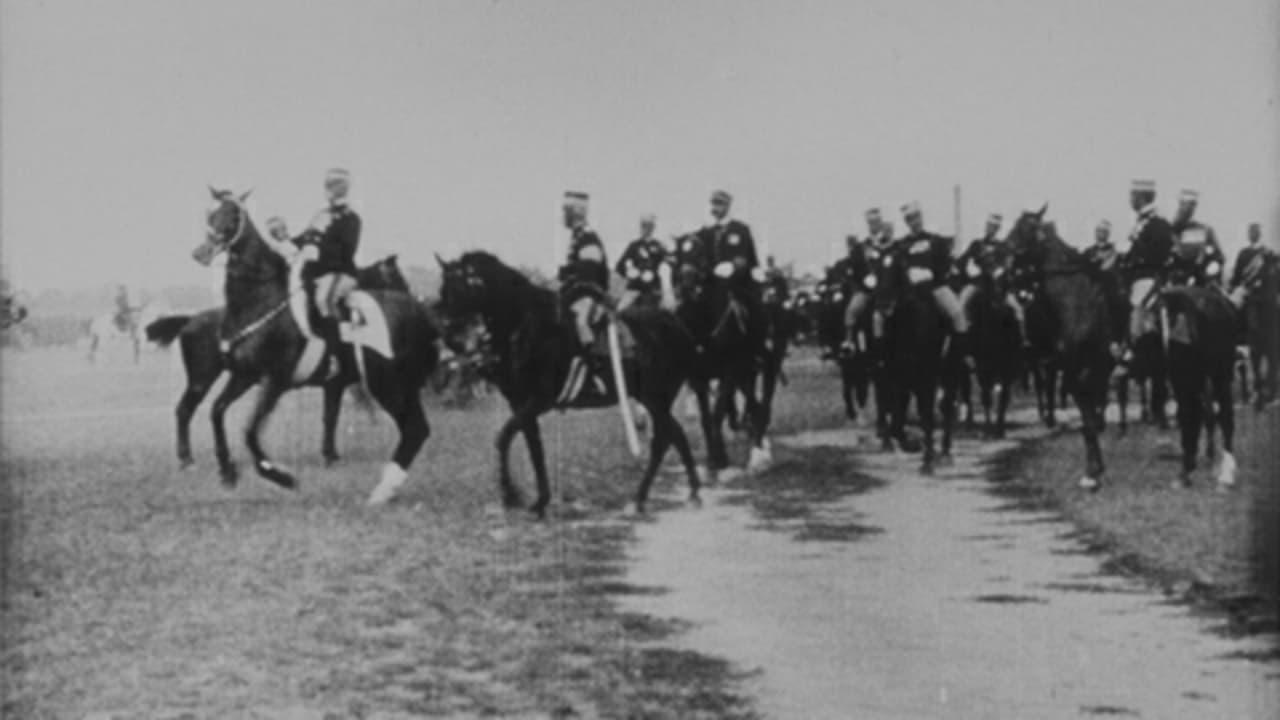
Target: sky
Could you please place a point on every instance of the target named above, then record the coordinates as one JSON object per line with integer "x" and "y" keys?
{"x": 463, "y": 122}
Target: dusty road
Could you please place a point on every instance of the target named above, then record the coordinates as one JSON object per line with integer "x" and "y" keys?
{"x": 944, "y": 601}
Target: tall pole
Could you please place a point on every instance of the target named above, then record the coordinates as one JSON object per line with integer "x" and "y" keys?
{"x": 959, "y": 227}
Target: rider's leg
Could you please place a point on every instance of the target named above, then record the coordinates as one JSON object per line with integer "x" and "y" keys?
{"x": 966, "y": 296}
{"x": 1019, "y": 314}
{"x": 581, "y": 309}
{"x": 950, "y": 304}
{"x": 1139, "y": 321}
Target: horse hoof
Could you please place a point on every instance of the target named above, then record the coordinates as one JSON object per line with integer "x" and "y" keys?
{"x": 1090, "y": 484}
{"x": 758, "y": 460}
{"x": 946, "y": 460}
{"x": 185, "y": 463}
{"x": 331, "y": 459}
{"x": 274, "y": 474}
{"x": 694, "y": 500}
{"x": 539, "y": 512}
{"x": 926, "y": 469}
{"x": 1227, "y": 471}
{"x": 230, "y": 475}
{"x": 393, "y": 477}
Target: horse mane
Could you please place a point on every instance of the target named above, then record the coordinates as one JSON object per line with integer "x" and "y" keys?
{"x": 510, "y": 282}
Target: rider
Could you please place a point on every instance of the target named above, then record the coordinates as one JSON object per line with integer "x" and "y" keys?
{"x": 776, "y": 280}
{"x": 1103, "y": 256}
{"x": 879, "y": 241}
{"x": 988, "y": 255}
{"x": 733, "y": 257}
{"x": 329, "y": 246}
{"x": 1250, "y": 264}
{"x": 279, "y": 234}
{"x": 928, "y": 260}
{"x": 584, "y": 276}
{"x": 645, "y": 267}
{"x": 1150, "y": 247}
{"x": 1197, "y": 255}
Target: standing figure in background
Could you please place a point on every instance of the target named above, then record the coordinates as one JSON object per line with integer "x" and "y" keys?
{"x": 330, "y": 244}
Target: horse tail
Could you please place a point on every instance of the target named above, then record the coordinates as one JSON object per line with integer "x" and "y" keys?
{"x": 165, "y": 330}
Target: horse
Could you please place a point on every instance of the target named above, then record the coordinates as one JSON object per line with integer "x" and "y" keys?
{"x": 855, "y": 367}
{"x": 107, "y": 328}
{"x": 203, "y": 361}
{"x": 265, "y": 341}
{"x": 533, "y": 346}
{"x": 1039, "y": 355}
{"x": 998, "y": 348}
{"x": 919, "y": 358}
{"x": 1078, "y": 310}
{"x": 722, "y": 328}
{"x": 1201, "y": 325}
{"x": 781, "y": 325}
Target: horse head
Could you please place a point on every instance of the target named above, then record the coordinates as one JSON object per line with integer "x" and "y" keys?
{"x": 389, "y": 277}
{"x": 226, "y": 224}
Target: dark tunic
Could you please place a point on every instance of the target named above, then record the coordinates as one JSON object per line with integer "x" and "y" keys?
{"x": 1195, "y": 251}
{"x": 639, "y": 265}
{"x": 337, "y": 244}
{"x": 584, "y": 275}
{"x": 732, "y": 242}
{"x": 1151, "y": 244}
{"x": 926, "y": 254}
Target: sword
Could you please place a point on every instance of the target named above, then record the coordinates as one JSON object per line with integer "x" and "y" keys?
{"x": 620, "y": 383}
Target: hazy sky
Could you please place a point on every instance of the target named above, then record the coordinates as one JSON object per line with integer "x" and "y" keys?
{"x": 462, "y": 122}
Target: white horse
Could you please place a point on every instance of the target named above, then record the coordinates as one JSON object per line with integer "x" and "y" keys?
{"x": 106, "y": 330}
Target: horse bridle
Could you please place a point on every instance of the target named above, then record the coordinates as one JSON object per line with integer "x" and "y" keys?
{"x": 241, "y": 223}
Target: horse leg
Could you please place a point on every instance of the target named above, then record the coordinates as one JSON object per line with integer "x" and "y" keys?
{"x": 1226, "y": 422}
{"x": 1052, "y": 378}
{"x": 187, "y": 404}
{"x": 985, "y": 389}
{"x": 405, "y": 407}
{"x": 1188, "y": 385}
{"x": 1122, "y": 402}
{"x": 847, "y": 388}
{"x": 948, "y": 409}
{"x": 1089, "y": 391}
{"x": 659, "y": 441}
{"x": 926, "y": 400}
{"x": 272, "y": 389}
{"x": 333, "y": 390}
{"x": 1002, "y": 405}
{"x": 510, "y": 494}
{"x": 1159, "y": 391}
{"x": 537, "y": 457}
{"x": 236, "y": 386}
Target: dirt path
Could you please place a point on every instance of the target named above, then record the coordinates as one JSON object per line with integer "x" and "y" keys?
{"x": 948, "y": 603}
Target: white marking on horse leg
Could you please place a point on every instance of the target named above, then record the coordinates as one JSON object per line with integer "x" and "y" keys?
{"x": 1089, "y": 483}
{"x": 1227, "y": 470}
{"x": 393, "y": 476}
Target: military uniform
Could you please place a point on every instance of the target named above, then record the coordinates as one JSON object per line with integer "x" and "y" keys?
{"x": 927, "y": 259}
{"x": 862, "y": 265}
{"x": 730, "y": 241}
{"x": 1104, "y": 256}
{"x": 1196, "y": 256}
{"x": 584, "y": 279}
{"x": 1150, "y": 247}
{"x": 639, "y": 267}
{"x": 1250, "y": 264}
{"x": 330, "y": 245}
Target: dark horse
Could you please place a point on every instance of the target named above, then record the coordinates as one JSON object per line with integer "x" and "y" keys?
{"x": 1079, "y": 312}
{"x": 918, "y": 358}
{"x": 722, "y": 329}
{"x": 998, "y": 348}
{"x": 197, "y": 336}
{"x": 781, "y": 325}
{"x": 1201, "y": 357}
{"x": 262, "y": 343}
{"x": 532, "y": 348}
{"x": 1039, "y": 357}
{"x": 855, "y": 367}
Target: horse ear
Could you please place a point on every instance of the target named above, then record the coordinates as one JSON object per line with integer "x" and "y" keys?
{"x": 1043, "y": 209}
{"x": 245, "y": 196}
{"x": 213, "y": 191}
{"x": 443, "y": 264}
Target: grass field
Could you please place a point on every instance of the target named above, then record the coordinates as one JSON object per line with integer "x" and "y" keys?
{"x": 137, "y": 590}
{"x": 1219, "y": 549}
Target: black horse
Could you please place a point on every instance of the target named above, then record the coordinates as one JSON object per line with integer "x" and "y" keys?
{"x": 198, "y": 336}
{"x": 722, "y": 328}
{"x": 263, "y": 344}
{"x": 919, "y": 358}
{"x": 1039, "y": 357}
{"x": 855, "y": 366}
{"x": 1201, "y": 361}
{"x": 533, "y": 346}
{"x": 781, "y": 325}
{"x": 998, "y": 347}
{"x": 1079, "y": 312}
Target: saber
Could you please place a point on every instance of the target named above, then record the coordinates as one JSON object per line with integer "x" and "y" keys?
{"x": 619, "y": 382}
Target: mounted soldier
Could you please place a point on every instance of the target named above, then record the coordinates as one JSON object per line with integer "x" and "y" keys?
{"x": 928, "y": 262}
{"x": 1255, "y": 292}
{"x": 645, "y": 267}
{"x": 1150, "y": 248}
{"x": 987, "y": 259}
{"x": 1104, "y": 256}
{"x": 858, "y": 268}
{"x": 1197, "y": 257}
{"x": 328, "y": 248}
{"x": 732, "y": 254}
{"x": 278, "y": 232}
{"x": 584, "y": 283}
